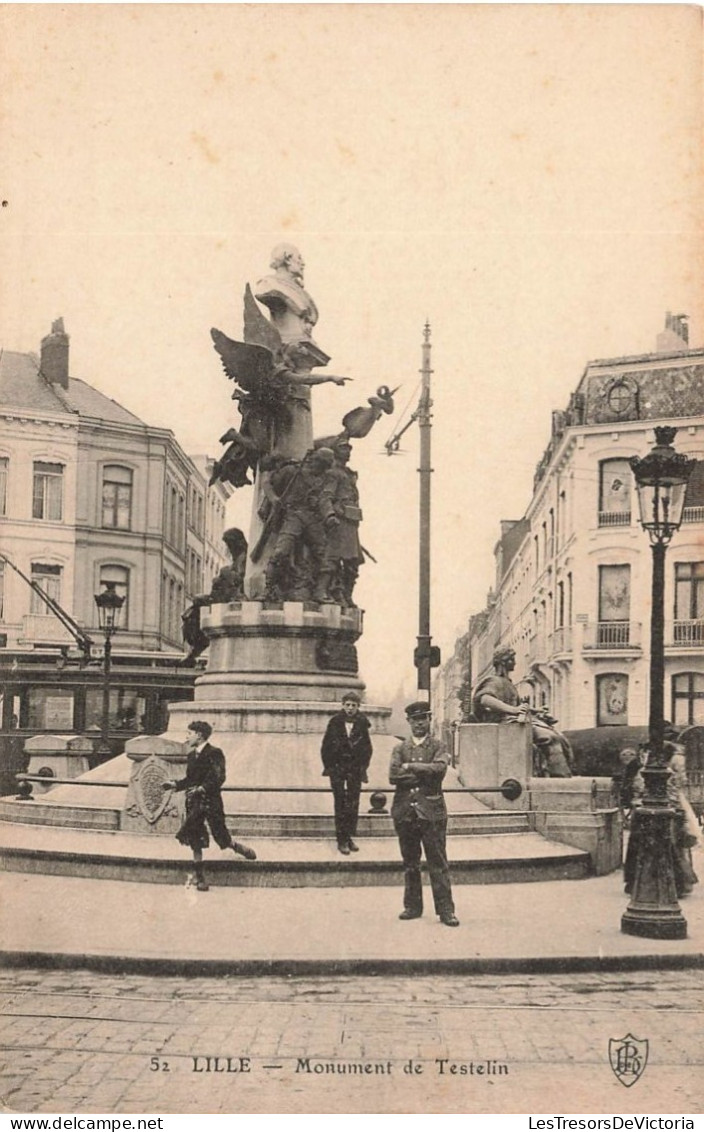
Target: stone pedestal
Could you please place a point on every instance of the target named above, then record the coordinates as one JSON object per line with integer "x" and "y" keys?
{"x": 57, "y": 756}
{"x": 276, "y": 673}
{"x": 489, "y": 753}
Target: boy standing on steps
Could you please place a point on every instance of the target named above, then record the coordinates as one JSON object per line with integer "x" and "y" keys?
{"x": 346, "y": 752}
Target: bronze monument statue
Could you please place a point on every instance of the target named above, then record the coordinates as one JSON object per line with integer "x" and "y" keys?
{"x": 496, "y": 700}
{"x": 228, "y": 585}
{"x": 300, "y": 567}
{"x": 344, "y": 548}
{"x": 272, "y": 372}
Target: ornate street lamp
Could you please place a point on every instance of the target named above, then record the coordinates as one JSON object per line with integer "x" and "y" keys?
{"x": 661, "y": 479}
{"x": 109, "y": 605}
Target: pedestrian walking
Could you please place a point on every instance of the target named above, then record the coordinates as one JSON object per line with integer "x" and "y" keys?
{"x": 205, "y": 775}
{"x": 346, "y": 752}
{"x": 418, "y": 766}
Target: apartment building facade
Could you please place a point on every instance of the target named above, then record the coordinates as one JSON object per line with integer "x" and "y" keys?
{"x": 91, "y": 494}
{"x": 572, "y": 589}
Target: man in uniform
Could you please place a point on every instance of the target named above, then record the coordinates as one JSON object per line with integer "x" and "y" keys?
{"x": 496, "y": 700}
{"x": 418, "y": 766}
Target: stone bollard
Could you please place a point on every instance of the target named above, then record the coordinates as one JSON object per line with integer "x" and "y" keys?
{"x": 57, "y": 756}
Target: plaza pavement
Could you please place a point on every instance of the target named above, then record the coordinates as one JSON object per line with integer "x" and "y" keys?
{"x": 566, "y": 925}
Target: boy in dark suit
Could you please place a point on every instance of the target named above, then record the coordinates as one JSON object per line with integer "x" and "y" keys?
{"x": 205, "y": 775}
{"x": 346, "y": 752}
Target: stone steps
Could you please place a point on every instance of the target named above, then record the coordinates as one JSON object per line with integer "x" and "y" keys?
{"x": 283, "y": 863}
{"x": 44, "y": 810}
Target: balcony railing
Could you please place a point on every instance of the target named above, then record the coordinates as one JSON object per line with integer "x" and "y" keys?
{"x": 614, "y": 518}
{"x": 612, "y": 635}
{"x": 685, "y": 634}
{"x": 562, "y": 640}
{"x": 693, "y": 515}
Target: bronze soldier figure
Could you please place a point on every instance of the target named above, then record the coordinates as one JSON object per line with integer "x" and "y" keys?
{"x": 344, "y": 547}
{"x": 308, "y": 516}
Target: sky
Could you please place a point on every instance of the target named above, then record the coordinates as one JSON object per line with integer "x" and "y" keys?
{"x": 527, "y": 178}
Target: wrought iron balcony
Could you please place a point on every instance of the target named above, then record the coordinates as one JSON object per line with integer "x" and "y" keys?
{"x": 685, "y": 634}
{"x": 612, "y": 635}
{"x": 614, "y": 518}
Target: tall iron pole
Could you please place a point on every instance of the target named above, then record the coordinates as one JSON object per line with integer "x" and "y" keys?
{"x": 424, "y": 656}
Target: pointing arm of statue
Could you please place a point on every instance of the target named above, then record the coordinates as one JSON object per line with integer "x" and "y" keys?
{"x": 317, "y": 379}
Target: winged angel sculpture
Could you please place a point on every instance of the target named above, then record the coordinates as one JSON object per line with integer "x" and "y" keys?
{"x": 271, "y": 370}
{"x": 272, "y": 374}
{"x": 272, "y": 383}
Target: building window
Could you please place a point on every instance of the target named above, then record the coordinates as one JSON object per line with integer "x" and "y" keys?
{"x": 694, "y": 498}
{"x": 120, "y": 575}
{"x": 165, "y": 605}
{"x": 688, "y": 628}
{"x": 172, "y": 609}
{"x": 687, "y": 699}
{"x": 2, "y": 591}
{"x": 47, "y": 495}
{"x": 4, "y": 467}
{"x": 48, "y": 579}
{"x": 612, "y": 699}
{"x": 117, "y": 497}
{"x": 615, "y": 479}
{"x": 560, "y": 606}
{"x": 614, "y": 605}
{"x": 181, "y": 534}
{"x": 173, "y": 521}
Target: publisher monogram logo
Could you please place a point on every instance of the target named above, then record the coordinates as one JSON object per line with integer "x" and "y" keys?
{"x": 628, "y": 1057}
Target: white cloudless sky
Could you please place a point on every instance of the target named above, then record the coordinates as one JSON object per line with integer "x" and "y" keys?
{"x": 528, "y": 178}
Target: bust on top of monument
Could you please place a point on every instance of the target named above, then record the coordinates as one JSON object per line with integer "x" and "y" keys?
{"x": 292, "y": 309}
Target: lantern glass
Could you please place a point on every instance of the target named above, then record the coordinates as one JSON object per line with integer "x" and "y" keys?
{"x": 661, "y": 505}
{"x": 109, "y": 604}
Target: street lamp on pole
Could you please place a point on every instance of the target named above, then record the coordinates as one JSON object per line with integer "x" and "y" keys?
{"x": 661, "y": 479}
{"x": 109, "y": 605}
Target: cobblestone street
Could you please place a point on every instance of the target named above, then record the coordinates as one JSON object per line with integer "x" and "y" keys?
{"x": 86, "y": 1042}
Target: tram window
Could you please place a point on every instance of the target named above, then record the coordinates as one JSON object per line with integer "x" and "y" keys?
{"x": 127, "y": 709}
{"x": 49, "y": 709}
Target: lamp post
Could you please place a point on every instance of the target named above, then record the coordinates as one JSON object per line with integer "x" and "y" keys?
{"x": 109, "y": 605}
{"x": 661, "y": 479}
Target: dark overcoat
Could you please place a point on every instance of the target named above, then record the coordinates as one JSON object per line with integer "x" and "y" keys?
{"x": 343, "y": 754}
{"x": 205, "y": 775}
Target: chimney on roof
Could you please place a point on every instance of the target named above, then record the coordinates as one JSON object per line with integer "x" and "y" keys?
{"x": 675, "y": 336}
{"x": 54, "y": 355}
